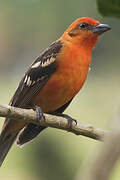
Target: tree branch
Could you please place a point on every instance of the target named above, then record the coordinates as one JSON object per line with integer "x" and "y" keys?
{"x": 30, "y": 116}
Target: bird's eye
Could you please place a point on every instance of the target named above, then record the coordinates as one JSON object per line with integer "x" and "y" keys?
{"x": 83, "y": 25}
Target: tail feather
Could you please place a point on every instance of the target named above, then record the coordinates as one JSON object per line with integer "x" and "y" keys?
{"x": 5, "y": 144}
{"x": 28, "y": 134}
{"x": 9, "y": 134}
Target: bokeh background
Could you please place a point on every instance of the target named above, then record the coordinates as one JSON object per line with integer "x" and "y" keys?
{"x": 26, "y": 28}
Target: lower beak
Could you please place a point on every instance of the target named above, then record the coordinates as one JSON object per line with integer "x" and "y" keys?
{"x": 100, "y": 28}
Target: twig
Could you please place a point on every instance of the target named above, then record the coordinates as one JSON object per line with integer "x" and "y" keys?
{"x": 30, "y": 116}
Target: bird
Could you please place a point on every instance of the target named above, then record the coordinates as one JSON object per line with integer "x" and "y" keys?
{"x": 52, "y": 80}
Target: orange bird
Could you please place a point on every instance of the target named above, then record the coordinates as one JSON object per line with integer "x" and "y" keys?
{"x": 52, "y": 81}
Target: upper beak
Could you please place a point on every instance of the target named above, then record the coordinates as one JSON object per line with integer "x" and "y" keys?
{"x": 100, "y": 28}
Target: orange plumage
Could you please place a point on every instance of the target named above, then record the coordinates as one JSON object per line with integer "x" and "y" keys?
{"x": 53, "y": 79}
{"x": 73, "y": 65}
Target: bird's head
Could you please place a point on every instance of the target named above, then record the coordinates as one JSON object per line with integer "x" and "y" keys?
{"x": 85, "y": 31}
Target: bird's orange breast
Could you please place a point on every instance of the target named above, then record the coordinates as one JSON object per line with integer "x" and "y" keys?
{"x": 65, "y": 83}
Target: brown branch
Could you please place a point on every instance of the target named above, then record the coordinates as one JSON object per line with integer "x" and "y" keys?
{"x": 30, "y": 116}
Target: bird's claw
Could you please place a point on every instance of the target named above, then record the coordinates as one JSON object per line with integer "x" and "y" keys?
{"x": 40, "y": 115}
{"x": 69, "y": 119}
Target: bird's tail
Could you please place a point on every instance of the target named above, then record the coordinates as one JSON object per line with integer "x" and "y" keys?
{"x": 28, "y": 134}
{"x": 5, "y": 145}
{"x": 7, "y": 138}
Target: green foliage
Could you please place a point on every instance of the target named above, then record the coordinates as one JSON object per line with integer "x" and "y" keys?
{"x": 109, "y": 8}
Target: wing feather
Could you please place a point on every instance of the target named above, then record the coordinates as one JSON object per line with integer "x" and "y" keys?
{"x": 36, "y": 76}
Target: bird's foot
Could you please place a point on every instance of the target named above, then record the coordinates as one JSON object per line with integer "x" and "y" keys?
{"x": 69, "y": 119}
{"x": 39, "y": 112}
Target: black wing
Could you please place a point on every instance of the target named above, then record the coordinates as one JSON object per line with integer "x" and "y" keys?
{"x": 36, "y": 76}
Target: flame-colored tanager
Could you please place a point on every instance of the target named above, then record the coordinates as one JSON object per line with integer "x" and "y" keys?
{"x": 53, "y": 79}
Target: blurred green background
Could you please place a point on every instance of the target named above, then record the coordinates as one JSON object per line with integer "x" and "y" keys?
{"x": 26, "y": 28}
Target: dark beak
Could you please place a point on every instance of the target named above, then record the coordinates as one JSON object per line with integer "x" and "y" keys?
{"x": 100, "y": 28}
